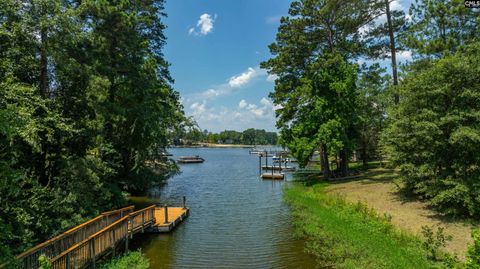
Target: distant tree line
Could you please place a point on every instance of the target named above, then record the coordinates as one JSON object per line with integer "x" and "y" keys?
{"x": 192, "y": 134}
{"x": 422, "y": 117}
{"x": 85, "y": 103}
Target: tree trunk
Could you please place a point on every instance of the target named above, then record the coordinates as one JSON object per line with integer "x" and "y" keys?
{"x": 324, "y": 161}
{"x": 364, "y": 154}
{"x": 392, "y": 49}
{"x": 43, "y": 64}
{"x": 343, "y": 163}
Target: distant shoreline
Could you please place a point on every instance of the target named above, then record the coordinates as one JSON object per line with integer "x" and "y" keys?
{"x": 213, "y": 145}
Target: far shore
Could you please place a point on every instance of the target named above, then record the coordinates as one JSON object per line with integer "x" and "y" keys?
{"x": 214, "y": 145}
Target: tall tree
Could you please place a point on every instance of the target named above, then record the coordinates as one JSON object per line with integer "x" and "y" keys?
{"x": 439, "y": 27}
{"x": 139, "y": 104}
{"x": 316, "y": 86}
{"x": 373, "y": 101}
{"x": 434, "y": 137}
{"x": 382, "y": 39}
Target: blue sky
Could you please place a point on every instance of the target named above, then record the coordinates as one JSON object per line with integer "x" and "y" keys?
{"x": 215, "y": 48}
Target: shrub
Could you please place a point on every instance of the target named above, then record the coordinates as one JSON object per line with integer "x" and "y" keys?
{"x": 131, "y": 260}
{"x": 434, "y": 137}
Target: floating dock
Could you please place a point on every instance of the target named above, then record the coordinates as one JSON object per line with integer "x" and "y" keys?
{"x": 273, "y": 176}
{"x": 190, "y": 159}
{"x": 277, "y": 168}
{"x": 167, "y": 221}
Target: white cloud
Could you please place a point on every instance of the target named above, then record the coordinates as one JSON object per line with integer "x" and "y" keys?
{"x": 272, "y": 78}
{"x": 395, "y": 5}
{"x": 264, "y": 101}
{"x": 404, "y": 55}
{"x": 242, "y": 79}
{"x": 204, "y": 25}
{"x": 242, "y": 104}
{"x": 259, "y": 115}
{"x": 211, "y": 93}
{"x": 198, "y": 108}
{"x": 233, "y": 83}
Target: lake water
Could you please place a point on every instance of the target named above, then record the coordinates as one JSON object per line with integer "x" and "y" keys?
{"x": 237, "y": 220}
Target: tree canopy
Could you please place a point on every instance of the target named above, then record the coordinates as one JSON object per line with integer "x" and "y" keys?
{"x": 86, "y": 100}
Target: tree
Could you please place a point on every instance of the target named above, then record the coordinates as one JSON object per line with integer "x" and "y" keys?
{"x": 434, "y": 137}
{"x": 440, "y": 27}
{"x": 316, "y": 83}
{"x": 382, "y": 41}
{"x": 373, "y": 102}
{"x": 85, "y": 102}
{"x": 138, "y": 104}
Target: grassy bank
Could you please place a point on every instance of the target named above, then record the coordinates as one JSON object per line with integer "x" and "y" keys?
{"x": 347, "y": 235}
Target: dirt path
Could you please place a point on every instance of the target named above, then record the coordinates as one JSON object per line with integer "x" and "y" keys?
{"x": 379, "y": 192}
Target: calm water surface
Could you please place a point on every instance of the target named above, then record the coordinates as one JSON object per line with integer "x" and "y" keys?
{"x": 236, "y": 221}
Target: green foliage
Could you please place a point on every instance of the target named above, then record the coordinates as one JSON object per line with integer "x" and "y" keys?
{"x": 344, "y": 235}
{"x": 372, "y": 104}
{"x": 191, "y": 133}
{"x": 473, "y": 252}
{"x": 44, "y": 262}
{"x": 131, "y": 260}
{"x": 316, "y": 86}
{"x": 439, "y": 27}
{"x": 434, "y": 134}
{"x": 85, "y": 102}
{"x": 434, "y": 242}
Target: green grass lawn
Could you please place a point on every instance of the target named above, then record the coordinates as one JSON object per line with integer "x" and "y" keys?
{"x": 343, "y": 235}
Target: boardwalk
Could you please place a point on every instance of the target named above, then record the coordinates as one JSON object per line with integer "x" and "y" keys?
{"x": 83, "y": 245}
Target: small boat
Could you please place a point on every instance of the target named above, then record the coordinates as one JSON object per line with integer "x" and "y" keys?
{"x": 190, "y": 159}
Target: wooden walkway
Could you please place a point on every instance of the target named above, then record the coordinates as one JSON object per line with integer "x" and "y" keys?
{"x": 83, "y": 245}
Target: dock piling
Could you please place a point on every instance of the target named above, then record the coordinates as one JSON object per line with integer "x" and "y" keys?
{"x": 184, "y": 202}
{"x": 166, "y": 213}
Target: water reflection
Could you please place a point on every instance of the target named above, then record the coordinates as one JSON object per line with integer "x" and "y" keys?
{"x": 237, "y": 220}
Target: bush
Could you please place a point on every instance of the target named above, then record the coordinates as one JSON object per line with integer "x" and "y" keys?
{"x": 434, "y": 137}
{"x": 473, "y": 253}
{"x": 131, "y": 260}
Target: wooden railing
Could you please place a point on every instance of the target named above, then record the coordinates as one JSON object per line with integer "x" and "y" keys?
{"x": 55, "y": 246}
{"x": 107, "y": 239}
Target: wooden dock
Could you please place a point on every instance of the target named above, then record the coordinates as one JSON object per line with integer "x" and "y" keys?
{"x": 82, "y": 246}
{"x": 278, "y": 168}
{"x": 273, "y": 176}
{"x": 165, "y": 222}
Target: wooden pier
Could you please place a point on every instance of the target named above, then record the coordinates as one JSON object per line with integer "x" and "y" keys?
{"x": 83, "y": 245}
{"x": 167, "y": 218}
{"x": 278, "y": 168}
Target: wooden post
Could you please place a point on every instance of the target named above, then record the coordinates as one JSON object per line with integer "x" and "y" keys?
{"x": 131, "y": 225}
{"x": 266, "y": 159}
{"x": 260, "y": 163}
{"x": 143, "y": 221}
{"x": 184, "y": 202}
{"x": 127, "y": 236}
{"x": 68, "y": 265}
{"x": 273, "y": 167}
{"x": 166, "y": 214}
{"x": 113, "y": 242}
{"x": 92, "y": 252}
{"x": 280, "y": 163}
